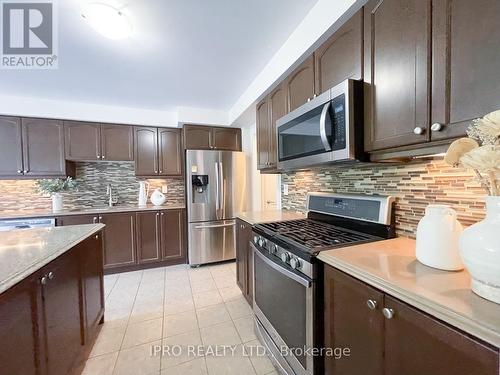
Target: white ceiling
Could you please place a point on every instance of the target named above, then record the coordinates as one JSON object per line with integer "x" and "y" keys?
{"x": 184, "y": 53}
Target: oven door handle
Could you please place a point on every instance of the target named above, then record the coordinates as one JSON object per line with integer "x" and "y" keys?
{"x": 322, "y": 127}
{"x": 280, "y": 269}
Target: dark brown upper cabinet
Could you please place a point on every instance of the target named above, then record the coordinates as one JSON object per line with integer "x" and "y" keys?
{"x": 170, "y": 151}
{"x": 341, "y": 56}
{"x": 148, "y": 236}
{"x": 300, "y": 84}
{"x": 277, "y": 109}
{"x": 385, "y": 342}
{"x": 465, "y": 60}
{"x": 173, "y": 234}
{"x": 117, "y": 142}
{"x": 11, "y": 150}
{"x": 263, "y": 140}
{"x": 88, "y": 141}
{"x": 397, "y": 69}
{"x": 158, "y": 152}
{"x": 200, "y": 137}
{"x": 227, "y": 139}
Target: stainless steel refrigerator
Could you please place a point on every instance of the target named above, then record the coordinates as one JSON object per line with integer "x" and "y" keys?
{"x": 215, "y": 190}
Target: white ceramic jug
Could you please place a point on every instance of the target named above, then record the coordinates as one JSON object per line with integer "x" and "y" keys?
{"x": 157, "y": 197}
{"x": 143, "y": 193}
{"x": 438, "y": 236}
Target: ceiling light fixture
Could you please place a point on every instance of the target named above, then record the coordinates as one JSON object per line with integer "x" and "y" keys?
{"x": 108, "y": 21}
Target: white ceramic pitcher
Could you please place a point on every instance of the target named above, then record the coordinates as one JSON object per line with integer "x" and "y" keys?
{"x": 143, "y": 193}
{"x": 438, "y": 236}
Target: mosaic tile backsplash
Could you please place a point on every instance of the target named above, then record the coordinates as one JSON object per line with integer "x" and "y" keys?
{"x": 413, "y": 185}
{"x": 92, "y": 179}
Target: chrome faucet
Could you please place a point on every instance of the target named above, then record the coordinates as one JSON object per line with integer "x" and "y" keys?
{"x": 111, "y": 201}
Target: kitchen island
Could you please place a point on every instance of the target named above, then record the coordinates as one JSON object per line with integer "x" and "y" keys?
{"x": 51, "y": 298}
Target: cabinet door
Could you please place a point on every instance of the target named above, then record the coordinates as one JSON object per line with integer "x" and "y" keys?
{"x": 20, "y": 345}
{"x": 442, "y": 349}
{"x": 76, "y": 220}
{"x": 198, "y": 137}
{"x": 43, "y": 147}
{"x": 277, "y": 109}
{"x": 146, "y": 151}
{"x": 340, "y": 57}
{"x": 241, "y": 257}
{"x": 148, "y": 236}
{"x": 90, "y": 253}
{"x": 11, "y": 151}
{"x": 466, "y": 78}
{"x": 227, "y": 139}
{"x": 173, "y": 234}
{"x": 117, "y": 142}
{"x": 170, "y": 152}
{"x": 83, "y": 141}
{"x": 300, "y": 84}
{"x": 263, "y": 140}
{"x": 350, "y": 323}
{"x": 119, "y": 239}
{"x": 61, "y": 301}
{"x": 397, "y": 69}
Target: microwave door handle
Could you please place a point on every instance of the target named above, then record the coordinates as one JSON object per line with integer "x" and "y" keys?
{"x": 322, "y": 126}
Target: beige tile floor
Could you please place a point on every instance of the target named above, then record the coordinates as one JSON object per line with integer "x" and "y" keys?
{"x": 176, "y": 306}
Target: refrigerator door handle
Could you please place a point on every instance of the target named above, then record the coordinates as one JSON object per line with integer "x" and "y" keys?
{"x": 215, "y": 226}
{"x": 217, "y": 191}
{"x": 222, "y": 204}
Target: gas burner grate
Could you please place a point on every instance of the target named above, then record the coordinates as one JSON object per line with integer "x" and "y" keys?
{"x": 313, "y": 234}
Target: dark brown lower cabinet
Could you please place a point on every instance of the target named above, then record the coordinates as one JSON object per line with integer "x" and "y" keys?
{"x": 61, "y": 305}
{"x": 119, "y": 239}
{"x": 173, "y": 235}
{"x": 244, "y": 261}
{"x": 44, "y": 318}
{"x": 148, "y": 236}
{"x": 402, "y": 341}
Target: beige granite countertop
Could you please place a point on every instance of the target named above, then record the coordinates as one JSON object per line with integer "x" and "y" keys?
{"x": 391, "y": 266}
{"x": 19, "y": 214}
{"x": 24, "y": 251}
{"x": 256, "y": 217}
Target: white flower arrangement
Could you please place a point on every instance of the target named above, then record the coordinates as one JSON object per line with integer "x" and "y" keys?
{"x": 480, "y": 152}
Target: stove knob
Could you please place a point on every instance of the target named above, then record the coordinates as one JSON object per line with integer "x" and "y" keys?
{"x": 295, "y": 263}
{"x": 273, "y": 249}
{"x": 256, "y": 239}
{"x": 262, "y": 242}
{"x": 285, "y": 257}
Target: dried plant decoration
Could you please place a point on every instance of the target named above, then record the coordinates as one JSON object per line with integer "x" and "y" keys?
{"x": 480, "y": 152}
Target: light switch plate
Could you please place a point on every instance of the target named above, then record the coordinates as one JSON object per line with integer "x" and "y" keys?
{"x": 285, "y": 189}
{"x": 164, "y": 189}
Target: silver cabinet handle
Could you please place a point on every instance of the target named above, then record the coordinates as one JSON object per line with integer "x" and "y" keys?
{"x": 96, "y": 237}
{"x": 436, "y": 127}
{"x": 100, "y": 219}
{"x": 43, "y": 280}
{"x": 20, "y": 171}
{"x": 50, "y": 275}
{"x": 163, "y": 213}
{"x": 26, "y": 171}
{"x": 372, "y": 305}
{"x": 419, "y": 130}
{"x": 388, "y": 313}
{"x": 103, "y": 157}
{"x": 94, "y": 219}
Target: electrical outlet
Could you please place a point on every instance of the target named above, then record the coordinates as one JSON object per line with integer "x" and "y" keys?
{"x": 285, "y": 189}
{"x": 164, "y": 189}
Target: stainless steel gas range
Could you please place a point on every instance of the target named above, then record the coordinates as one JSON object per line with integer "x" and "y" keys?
{"x": 288, "y": 278}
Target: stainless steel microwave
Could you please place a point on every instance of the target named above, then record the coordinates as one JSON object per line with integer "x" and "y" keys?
{"x": 327, "y": 129}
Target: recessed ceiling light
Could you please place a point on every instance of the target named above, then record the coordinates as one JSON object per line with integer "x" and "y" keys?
{"x": 108, "y": 21}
